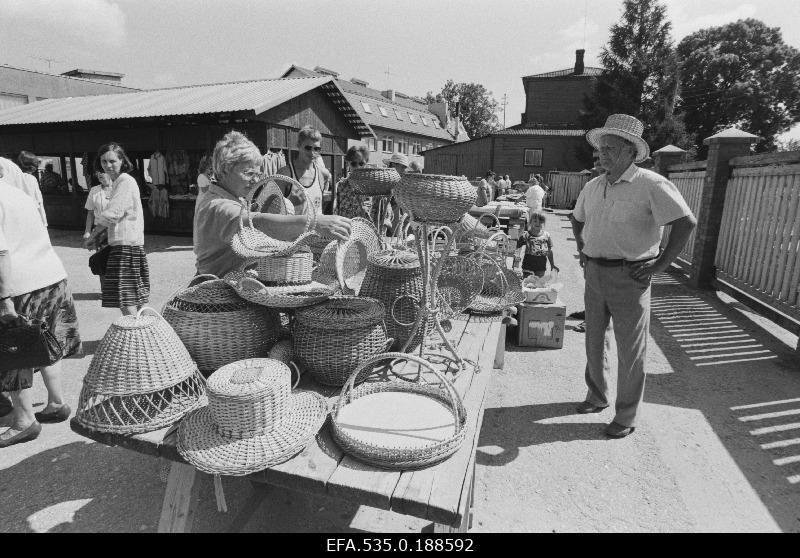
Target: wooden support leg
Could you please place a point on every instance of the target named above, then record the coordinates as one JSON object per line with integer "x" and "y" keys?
{"x": 180, "y": 499}
{"x": 466, "y": 518}
{"x": 500, "y": 353}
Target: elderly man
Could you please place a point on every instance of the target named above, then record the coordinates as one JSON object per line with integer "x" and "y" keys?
{"x": 617, "y": 223}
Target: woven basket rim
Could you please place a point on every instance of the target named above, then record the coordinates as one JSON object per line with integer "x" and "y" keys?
{"x": 394, "y": 259}
{"x": 364, "y": 312}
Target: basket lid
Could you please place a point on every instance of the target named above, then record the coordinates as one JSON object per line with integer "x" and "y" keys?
{"x": 211, "y": 296}
{"x": 138, "y": 354}
{"x": 395, "y": 259}
{"x": 343, "y": 312}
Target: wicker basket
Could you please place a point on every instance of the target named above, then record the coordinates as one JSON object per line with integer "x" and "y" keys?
{"x": 334, "y": 337}
{"x": 373, "y": 181}
{"x": 268, "y": 196}
{"x": 394, "y": 277}
{"x": 434, "y": 198}
{"x": 219, "y": 327}
{"x": 282, "y": 296}
{"x": 352, "y": 255}
{"x": 293, "y": 269}
{"x": 501, "y": 287}
{"x": 460, "y": 281}
{"x": 398, "y": 424}
{"x": 249, "y": 242}
{"x": 141, "y": 378}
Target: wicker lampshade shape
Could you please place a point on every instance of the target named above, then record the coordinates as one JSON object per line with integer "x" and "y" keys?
{"x": 253, "y": 420}
{"x": 141, "y": 378}
{"x": 218, "y": 327}
{"x": 373, "y": 181}
{"x": 394, "y": 277}
{"x": 435, "y": 198}
{"x": 332, "y": 338}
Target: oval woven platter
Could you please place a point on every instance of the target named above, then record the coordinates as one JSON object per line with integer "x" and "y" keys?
{"x": 288, "y": 296}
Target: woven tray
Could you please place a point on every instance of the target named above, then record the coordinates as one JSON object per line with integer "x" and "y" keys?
{"x": 250, "y": 288}
{"x": 373, "y": 181}
{"x": 434, "y": 198}
{"x": 398, "y": 424}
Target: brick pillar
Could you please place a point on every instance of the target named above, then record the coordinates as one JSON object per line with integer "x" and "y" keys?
{"x": 722, "y": 147}
{"x": 666, "y": 157}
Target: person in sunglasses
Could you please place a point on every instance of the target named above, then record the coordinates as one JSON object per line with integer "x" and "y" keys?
{"x": 308, "y": 169}
{"x": 348, "y": 203}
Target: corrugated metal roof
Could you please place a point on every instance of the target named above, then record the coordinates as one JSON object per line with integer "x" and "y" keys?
{"x": 587, "y": 72}
{"x": 539, "y": 132}
{"x": 257, "y": 96}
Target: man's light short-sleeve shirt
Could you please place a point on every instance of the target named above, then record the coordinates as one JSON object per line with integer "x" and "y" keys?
{"x": 626, "y": 219}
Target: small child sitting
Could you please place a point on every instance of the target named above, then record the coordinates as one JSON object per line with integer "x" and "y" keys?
{"x": 538, "y": 247}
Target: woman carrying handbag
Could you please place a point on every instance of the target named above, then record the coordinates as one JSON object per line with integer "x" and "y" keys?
{"x": 38, "y": 324}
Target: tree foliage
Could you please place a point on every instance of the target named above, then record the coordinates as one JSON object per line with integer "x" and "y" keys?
{"x": 639, "y": 75}
{"x": 741, "y": 74}
{"x": 478, "y": 109}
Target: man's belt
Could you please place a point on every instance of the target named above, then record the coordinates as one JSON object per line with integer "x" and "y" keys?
{"x": 605, "y": 262}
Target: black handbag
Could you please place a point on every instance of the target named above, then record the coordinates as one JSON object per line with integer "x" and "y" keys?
{"x": 28, "y": 343}
{"x": 99, "y": 260}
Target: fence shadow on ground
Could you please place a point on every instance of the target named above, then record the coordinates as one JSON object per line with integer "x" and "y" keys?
{"x": 721, "y": 363}
{"x": 513, "y": 428}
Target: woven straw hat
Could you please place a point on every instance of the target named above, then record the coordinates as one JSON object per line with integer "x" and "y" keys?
{"x": 625, "y": 126}
{"x": 253, "y": 420}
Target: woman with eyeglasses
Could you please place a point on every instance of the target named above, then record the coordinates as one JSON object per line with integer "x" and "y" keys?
{"x": 237, "y": 173}
{"x": 308, "y": 170}
{"x": 348, "y": 203}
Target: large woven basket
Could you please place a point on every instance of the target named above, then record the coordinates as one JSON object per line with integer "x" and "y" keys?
{"x": 501, "y": 287}
{"x": 398, "y": 424}
{"x": 332, "y": 338}
{"x": 394, "y": 277}
{"x": 218, "y": 327}
{"x": 373, "y": 181}
{"x": 141, "y": 378}
{"x": 268, "y": 196}
{"x": 460, "y": 282}
{"x": 292, "y": 269}
{"x": 435, "y": 198}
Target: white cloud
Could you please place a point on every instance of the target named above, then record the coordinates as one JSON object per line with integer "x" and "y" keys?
{"x": 683, "y": 25}
{"x": 95, "y": 21}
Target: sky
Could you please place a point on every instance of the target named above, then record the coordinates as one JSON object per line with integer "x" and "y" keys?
{"x": 411, "y": 46}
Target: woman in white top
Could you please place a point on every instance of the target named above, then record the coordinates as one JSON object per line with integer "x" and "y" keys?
{"x": 204, "y": 174}
{"x": 126, "y": 284}
{"x": 33, "y": 283}
{"x": 29, "y": 164}
{"x": 308, "y": 170}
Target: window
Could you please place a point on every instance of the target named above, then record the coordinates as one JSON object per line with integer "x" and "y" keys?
{"x": 416, "y": 147}
{"x": 387, "y": 144}
{"x": 383, "y": 111}
{"x": 398, "y": 114}
{"x": 413, "y": 118}
{"x": 402, "y": 146}
{"x": 533, "y": 158}
{"x": 366, "y": 106}
{"x": 429, "y": 146}
{"x": 425, "y": 121}
{"x": 372, "y": 143}
{"x": 8, "y": 100}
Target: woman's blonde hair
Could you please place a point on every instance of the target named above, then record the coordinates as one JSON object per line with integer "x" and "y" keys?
{"x": 232, "y": 149}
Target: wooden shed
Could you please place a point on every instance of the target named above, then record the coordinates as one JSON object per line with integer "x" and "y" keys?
{"x": 186, "y": 119}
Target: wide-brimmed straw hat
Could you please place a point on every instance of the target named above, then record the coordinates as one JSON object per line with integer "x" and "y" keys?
{"x": 398, "y": 158}
{"x": 625, "y": 126}
{"x": 253, "y": 420}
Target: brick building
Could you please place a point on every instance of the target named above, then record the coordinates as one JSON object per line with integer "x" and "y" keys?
{"x": 549, "y": 137}
{"x": 402, "y": 124}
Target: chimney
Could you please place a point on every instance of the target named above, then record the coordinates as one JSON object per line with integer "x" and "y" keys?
{"x": 389, "y": 94}
{"x": 579, "y": 61}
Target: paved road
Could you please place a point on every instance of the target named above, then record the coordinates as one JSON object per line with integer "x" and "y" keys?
{"x": 716, "y": 450}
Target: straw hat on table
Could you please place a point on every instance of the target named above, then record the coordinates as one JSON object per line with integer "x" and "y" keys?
{"x": 625, "y": 126}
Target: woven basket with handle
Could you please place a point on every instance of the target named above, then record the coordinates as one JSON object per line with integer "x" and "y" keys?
{"x": 435, "y": 198}
{"x": 141, "y": 378}
{"x": 217, "y": 326}
{"x": 373, "y": 181}
{"x": 332, "y": 338}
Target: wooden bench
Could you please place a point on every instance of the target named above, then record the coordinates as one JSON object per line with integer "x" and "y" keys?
{"x": 442, "y": 493}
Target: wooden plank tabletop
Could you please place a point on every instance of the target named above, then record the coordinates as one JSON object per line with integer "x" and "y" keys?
{"x": 436, "y": 493}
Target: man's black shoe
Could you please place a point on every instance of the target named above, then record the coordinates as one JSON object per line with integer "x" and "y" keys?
{"x": 585, "y": 408}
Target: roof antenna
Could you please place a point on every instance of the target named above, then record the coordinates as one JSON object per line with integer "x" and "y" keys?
{"x": 585, "y": 19}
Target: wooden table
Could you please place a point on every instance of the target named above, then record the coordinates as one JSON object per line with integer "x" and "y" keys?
{"x": 442, "y": 493}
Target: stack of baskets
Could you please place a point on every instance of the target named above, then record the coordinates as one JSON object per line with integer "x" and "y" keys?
{"x": 331, "y": 339}
{"x": 394, "y": 277}
{"x": 140, "y": 379}
{"x": 217, "y": 326}
{"x": 434, "y": 198}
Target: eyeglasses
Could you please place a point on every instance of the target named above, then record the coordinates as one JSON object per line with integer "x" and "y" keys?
{"x": 251, "y": 175}
{"x": 357, "y": 164}
{"x": 314, "y": 148}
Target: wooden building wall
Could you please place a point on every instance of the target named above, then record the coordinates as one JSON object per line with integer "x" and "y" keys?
{"x": 555, "y": 101}
{"x": 470, "y": 159}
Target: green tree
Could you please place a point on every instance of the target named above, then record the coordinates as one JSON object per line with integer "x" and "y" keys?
{"x": 741, "y": 74}
{"x": 478, "y": 109}
{"x": 639, "y": 75}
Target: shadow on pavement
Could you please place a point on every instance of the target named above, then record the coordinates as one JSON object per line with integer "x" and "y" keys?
{"x": 743, "y": 380}
{"x": 512, "y": 428}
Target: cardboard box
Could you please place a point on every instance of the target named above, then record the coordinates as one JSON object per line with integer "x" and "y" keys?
{"x": 541, "y": 325}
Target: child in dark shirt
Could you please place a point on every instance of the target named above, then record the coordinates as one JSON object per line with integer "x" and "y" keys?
{"x": 538, "y": 247}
